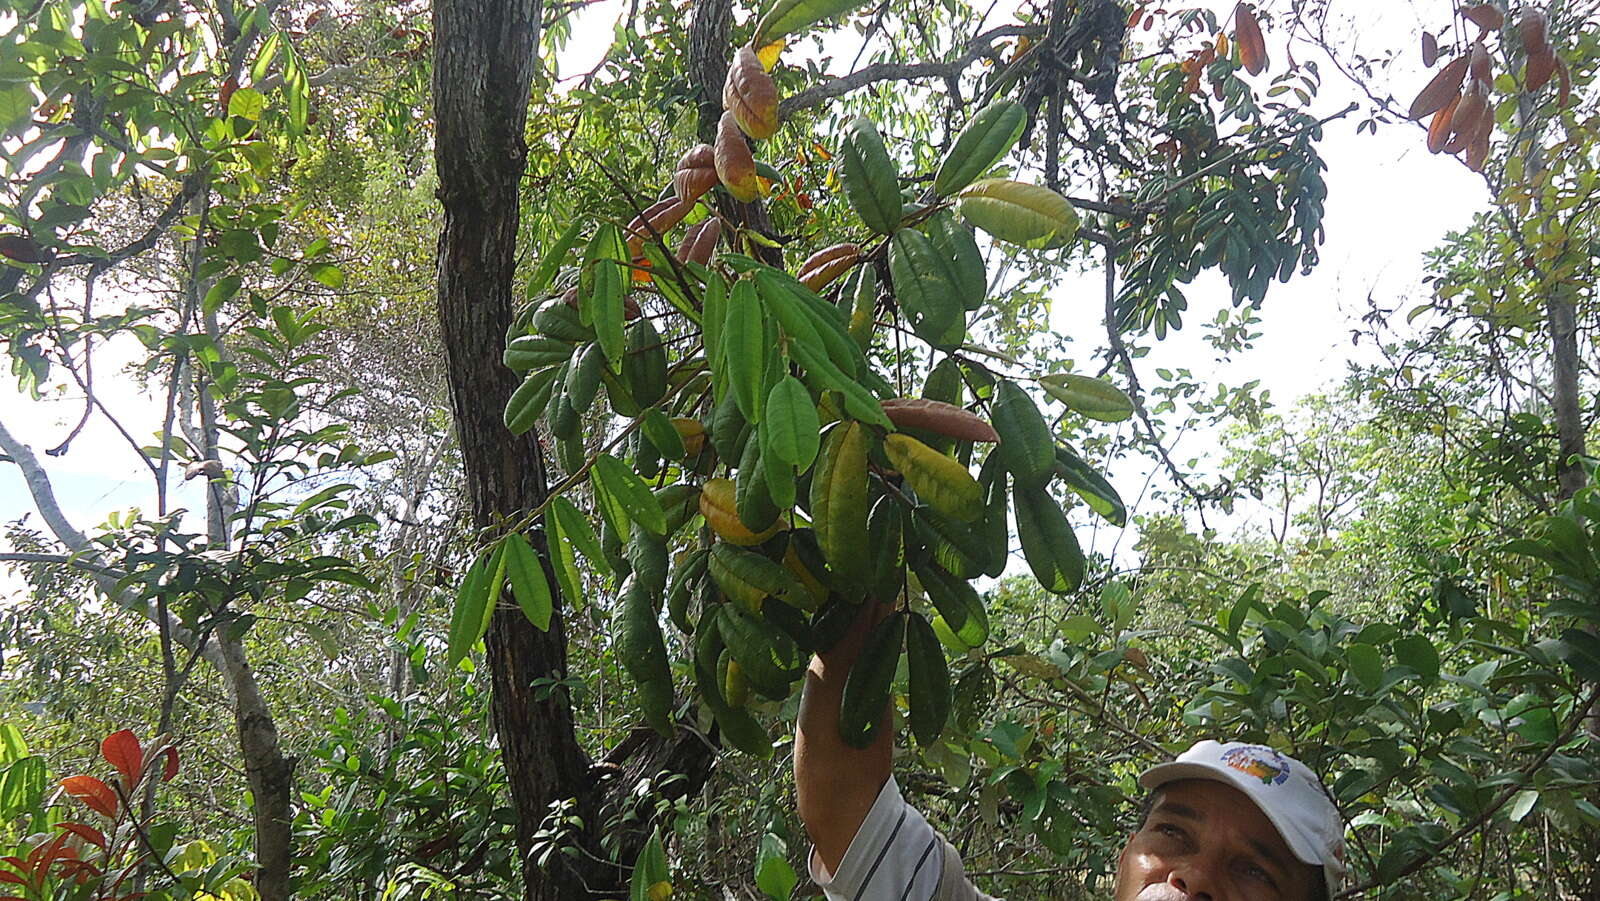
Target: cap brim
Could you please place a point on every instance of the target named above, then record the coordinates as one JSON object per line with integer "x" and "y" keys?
{"x": 1163, "y": 773}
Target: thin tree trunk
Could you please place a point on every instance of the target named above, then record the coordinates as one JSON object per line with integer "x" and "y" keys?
{"x": 1562, "y": 319}
{"x": 269, "y": 773}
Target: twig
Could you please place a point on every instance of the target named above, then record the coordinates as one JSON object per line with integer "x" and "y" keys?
{"x": 830, "y": 88}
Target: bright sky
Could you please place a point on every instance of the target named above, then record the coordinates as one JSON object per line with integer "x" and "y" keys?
{"x": 1388, "y": 202}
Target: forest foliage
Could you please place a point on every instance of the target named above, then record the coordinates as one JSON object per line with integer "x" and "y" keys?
{"x": 494, "y": 511}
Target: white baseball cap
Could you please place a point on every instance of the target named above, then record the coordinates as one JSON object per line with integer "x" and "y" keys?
{"x": 1284, "y": 788}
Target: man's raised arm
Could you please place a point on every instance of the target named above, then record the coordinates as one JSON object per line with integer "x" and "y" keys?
{"x": 835, "y": 784}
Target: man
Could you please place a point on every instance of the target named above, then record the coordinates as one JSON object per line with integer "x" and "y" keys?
{"x": 1224, "y": 822}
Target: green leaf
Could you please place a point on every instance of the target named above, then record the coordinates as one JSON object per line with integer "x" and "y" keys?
{"x": 1094, "y": 398}
{"x": 264, "y": 57}
{"x": 1090, "y": 485}
{"x": 247, "y": 103}
{"x": 1048, "y": 543}
{"x": 1023, "y": 214}
{"x": 603, "y": 308}
{"x": 530, "y": 399}
{"x": 1366, "y": 664}
{"x": 552, "y": 260}
{"x": 528, "y": 581}
{"x": 929, "y": 681}
{"x": 1418, "y": 652}
{"x": 1521, "y": 805}
{"x": 774, "y": 876}
{"x": 1581, "y": 651}
{"x": 745, "y": 351}
{"x": 649, "y": 869}
{"x": 987, "y": 137}
{"x": 470, "y": 617}
{"x": 1026, "y": 446}
{"x": 956, "y": 244}
{"x": 220, "y": 292}
{"x": 574, "y": 527}
{"x": 926, "y": 288}
{"x": 870, "y": 179}
{"x": 619, "y": 487}
{"x": 788, "y": 16}
{"x": 563, "y": 556}
{"x": 658, "y": 429}
{"x": 327, "y": 274}
{"x": 793, "y": 429}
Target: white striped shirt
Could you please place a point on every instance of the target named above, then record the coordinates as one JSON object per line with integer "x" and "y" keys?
{"x": 896, "y": 856}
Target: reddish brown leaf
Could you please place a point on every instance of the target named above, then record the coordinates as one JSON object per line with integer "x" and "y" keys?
{"x": 1247, "y": 34}
{"x": 23, "y": 249}
{"x": 696, "y": 173}
{"x": 1469, "y": 116}
{"x": 1482, "y": 63}
{"x": 48, "y": 852}
{"x": 828, "y": 264}
{"x": 700, "y": 242}
{"x": 661, "y": 217}
{"x": 91, "y": 791}
{"x": 1439, "y": 129}
{"x": 170, "y": 767}
{"x": 12, "y": 878}
{"x": 1565, "y": 78}
{"x": 1439, "y": 91}
{"x": 225, "y": 93}
{"x": 1478, "y": 151}
{"x": 1535, "y": 28}
{"x": 1430, "y": 49}
{"x": 1138, "y": 13}
{"x": 938, "y": 417}
{"x": 1539, "y": 69}
{"x": 736, "y": 166}
{"x": 86, "y": 832}
{"x": 750, "y": 94}
{"x": 121, "y": 750}
{"x": 1485, "y": 15}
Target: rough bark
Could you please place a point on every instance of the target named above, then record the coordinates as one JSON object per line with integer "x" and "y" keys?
{"x": 483, "y": 69}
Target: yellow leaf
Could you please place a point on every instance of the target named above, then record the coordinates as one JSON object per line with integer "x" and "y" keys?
{"x": 769, "y": 54}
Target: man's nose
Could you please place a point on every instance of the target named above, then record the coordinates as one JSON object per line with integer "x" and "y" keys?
{"x": 1194, "y": 880}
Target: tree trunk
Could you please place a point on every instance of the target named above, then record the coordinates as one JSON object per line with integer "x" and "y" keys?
{"x": 269, "y": 773}
{"x": 483, "y": 67}
{"x": 1562, "y": 319}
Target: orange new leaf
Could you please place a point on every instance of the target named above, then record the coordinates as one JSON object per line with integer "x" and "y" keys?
{"x": 1439, "y": 129}
{"x": 121, "y": 750}
{"x": 91, "y": 791}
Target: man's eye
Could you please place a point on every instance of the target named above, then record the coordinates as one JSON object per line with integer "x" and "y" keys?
{"x": 1255, "y": 872}
{"x": 1170, "y": 830}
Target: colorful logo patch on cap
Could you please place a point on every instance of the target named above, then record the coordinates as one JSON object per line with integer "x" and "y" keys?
{"x": 1261, "y": 762}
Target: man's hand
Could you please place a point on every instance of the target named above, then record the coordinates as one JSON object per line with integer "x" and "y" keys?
{"x": 835, "y": 784}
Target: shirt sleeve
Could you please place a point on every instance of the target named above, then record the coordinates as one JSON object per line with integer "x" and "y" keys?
{"x": 895, "y": 856}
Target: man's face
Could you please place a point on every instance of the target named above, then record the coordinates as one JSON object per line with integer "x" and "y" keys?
{"x": 1207, "y": 841}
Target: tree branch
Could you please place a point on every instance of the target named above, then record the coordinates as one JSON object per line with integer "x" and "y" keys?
{"x": 44, "y": 499}
{"x": 830, "y": 88}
